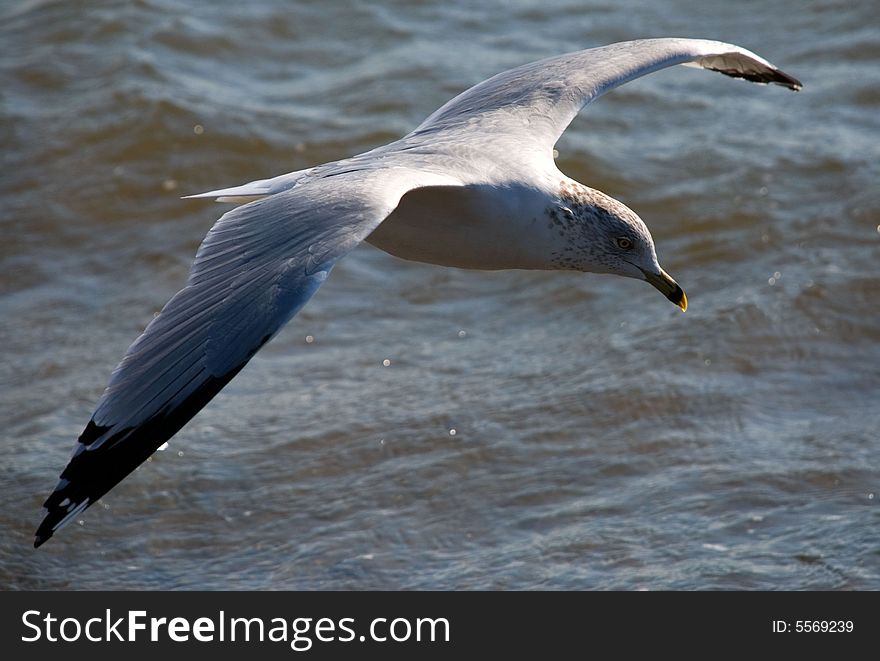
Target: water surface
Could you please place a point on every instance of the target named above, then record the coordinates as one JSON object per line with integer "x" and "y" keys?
{"x": 603, "y": 440}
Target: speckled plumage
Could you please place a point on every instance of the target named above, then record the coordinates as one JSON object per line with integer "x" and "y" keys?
{"x": 583, "y": 214}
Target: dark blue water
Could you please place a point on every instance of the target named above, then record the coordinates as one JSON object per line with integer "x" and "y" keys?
{"x": 603, "y": 440}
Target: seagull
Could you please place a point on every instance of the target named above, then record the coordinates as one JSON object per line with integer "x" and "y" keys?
{"x": 474, "y": 186}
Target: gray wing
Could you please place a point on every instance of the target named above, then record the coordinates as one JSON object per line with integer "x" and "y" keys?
{"x": 256, "y": 268}
{"x": 521, "y": 113}
{"x": 534, "y": 103}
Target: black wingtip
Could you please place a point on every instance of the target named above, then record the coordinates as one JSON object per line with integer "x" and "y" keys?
{"x": 792, "y": 83}
{"x": 775, "y": 76}
{"x": 69, "y": 497}
{"x": 95, "y": 469}
{"x": 41, "y": 538}
{"x": 46, "y": 528}
{"x": 61, "y": 507}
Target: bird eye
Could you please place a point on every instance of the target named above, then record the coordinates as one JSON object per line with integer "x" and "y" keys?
{"x": 624, "y": 243}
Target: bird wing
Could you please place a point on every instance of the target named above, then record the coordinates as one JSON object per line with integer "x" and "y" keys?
{"x": 533, "y": 104}
{"x": 256, "y": 268}
{"x": 522, "y": 112}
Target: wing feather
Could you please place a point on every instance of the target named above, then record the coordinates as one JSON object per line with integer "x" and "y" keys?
{"x": 256, "y": 268}
{"x": 533, "y": 104}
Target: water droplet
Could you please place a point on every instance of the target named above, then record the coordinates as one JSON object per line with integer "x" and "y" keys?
{"x": 771, "y": 281}
{"x": 870, "y": 496}
{"x": 462, "y": 333}
{"x": 777, "y": 275}
{"x": 162, "y": 447}
{"x": 198, "y": 129}
{"x": 708, "y": 361}
{"x": 765, "y": 238}
{"x": 762, "y": 191}
{"x": 452, "y": 432}
{"x": 310, "y": 339}
{"x": 556, "y": 155}
{"x": 381, "y": 441}
{"x": 878, "y": 226}
{"x": 180, "y": 453}
{"x": 386, "y": 363}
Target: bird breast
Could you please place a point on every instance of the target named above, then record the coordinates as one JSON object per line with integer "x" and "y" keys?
{"x": 473, "y": 227}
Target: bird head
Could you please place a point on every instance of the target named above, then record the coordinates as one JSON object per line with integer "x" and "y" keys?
{"x": 606, "y": 236}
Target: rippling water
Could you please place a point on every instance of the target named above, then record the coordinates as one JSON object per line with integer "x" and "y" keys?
{"x": 602, "y": 439}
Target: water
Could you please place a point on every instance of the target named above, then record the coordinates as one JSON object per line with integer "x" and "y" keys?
{"x": 603, "y": 440}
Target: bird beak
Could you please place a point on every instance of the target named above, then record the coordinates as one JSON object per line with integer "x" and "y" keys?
{"x": 668, "y": 287}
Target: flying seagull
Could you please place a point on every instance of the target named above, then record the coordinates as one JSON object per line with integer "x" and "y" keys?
{"x": 474, "y": 186}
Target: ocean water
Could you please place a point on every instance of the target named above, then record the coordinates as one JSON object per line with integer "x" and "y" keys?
{"x": 602, "y": 439}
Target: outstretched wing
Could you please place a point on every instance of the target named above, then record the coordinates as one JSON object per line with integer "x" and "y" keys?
{"x": 522, "y": 112}
{"x": 534, "y": 103}
{"x": 256, "y": 268}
